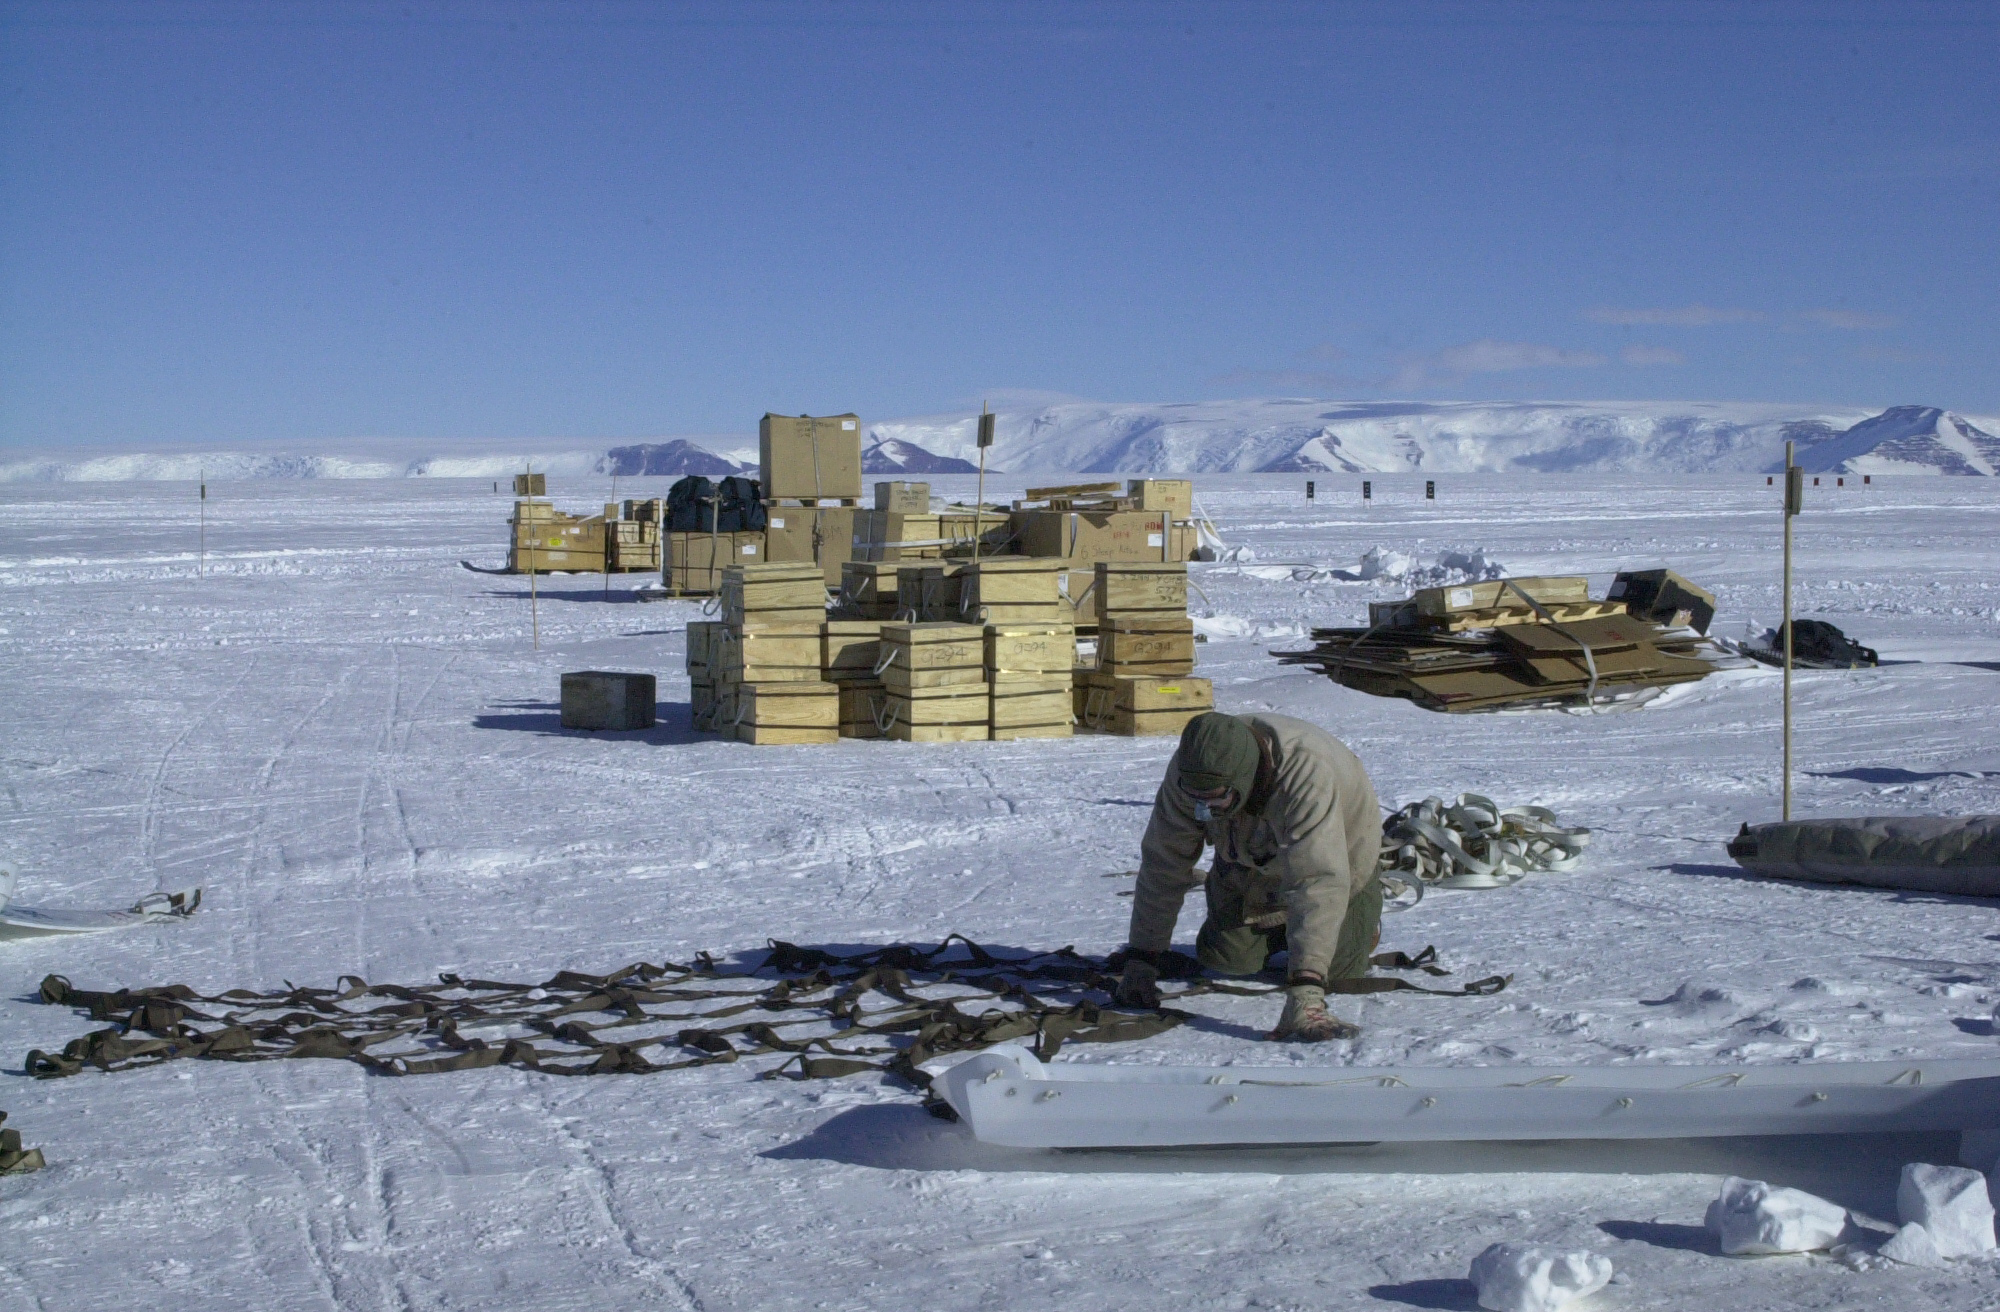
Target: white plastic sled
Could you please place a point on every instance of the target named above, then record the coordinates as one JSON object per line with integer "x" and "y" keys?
{"x": 1006, "y": 1096}
{"x": 17, "y": 921}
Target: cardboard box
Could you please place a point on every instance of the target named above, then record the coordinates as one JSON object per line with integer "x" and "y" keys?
{"x": 808, "y": 457}
{"x": 861, "y": 709}
{"x": 1130, "y": 588}
{"x": 605, "y": 699}
{"x": 931, "y": 655}
{"x": 823, "y": 535}
{"x": 1174, "y": 495}
{"x": 893, "y": 536}
{"x": 1029, "y": 652}
{"x": 531, "y": 485}
{"x": 903, "y": 498}
{"x": 1664, "y": 597}
{"x": 849, "y": 650}
{"x": 1496, "y": 594}
{"x": 1094, "y": 535}
{"x": 773, "y": 596}
{"x": 766, "y": 656}
{"x": 1137, "y": 644}
{"x": 695, "y": 561}
{"x": 525, "y": 560}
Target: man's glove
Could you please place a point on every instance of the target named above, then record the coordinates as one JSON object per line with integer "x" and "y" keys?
{"x": 1139, "y": 986}
{"x": 1306, "y": 1019}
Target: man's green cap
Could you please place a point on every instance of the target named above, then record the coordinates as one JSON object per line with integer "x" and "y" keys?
{"x": 1219, "y": 751}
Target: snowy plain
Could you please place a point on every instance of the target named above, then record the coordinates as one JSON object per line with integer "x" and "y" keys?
{"x": 352, "y": 746}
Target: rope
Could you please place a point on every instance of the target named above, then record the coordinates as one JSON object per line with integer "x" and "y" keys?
{"x": 1473, "y": 843}
{"x": 887, "y": 1009}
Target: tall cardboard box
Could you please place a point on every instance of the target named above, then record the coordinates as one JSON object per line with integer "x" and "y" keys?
{"x": 695, "y": 561}
{"x": 807, "y": 457}
{"x": 823, "y": 535}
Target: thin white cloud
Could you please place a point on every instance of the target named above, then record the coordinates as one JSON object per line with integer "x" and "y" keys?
{"x": 1488, "y": 356}
{"x": 1852, "y": 320}
{"x": 1643, "y": 355}
{"x": 1685, "y": 316}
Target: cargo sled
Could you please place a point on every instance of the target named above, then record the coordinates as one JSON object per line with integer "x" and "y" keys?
{"x": 17, "y": 921}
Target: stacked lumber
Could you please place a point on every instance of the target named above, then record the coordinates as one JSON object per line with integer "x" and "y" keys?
{"x": 1506, "y": 643}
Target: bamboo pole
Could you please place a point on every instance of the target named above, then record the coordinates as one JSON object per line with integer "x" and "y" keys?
{"x": 1794, "y": 493}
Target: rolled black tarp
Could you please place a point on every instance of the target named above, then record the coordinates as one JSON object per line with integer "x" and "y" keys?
{"x": 1923, "y": 853}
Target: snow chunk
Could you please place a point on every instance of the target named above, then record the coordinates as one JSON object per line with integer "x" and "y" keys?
{"x": 1912, "y": 1246}
{"x": 1750, "y": 1216}
{"x": 1382, "y": 563}
{"x": 1528, "y": 1278}
{"x": 1951, "y": 1202}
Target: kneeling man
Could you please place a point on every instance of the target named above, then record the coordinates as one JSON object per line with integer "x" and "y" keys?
{"x": 1296, "y": 832}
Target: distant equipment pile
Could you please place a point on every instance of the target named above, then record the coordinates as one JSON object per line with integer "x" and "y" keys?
{"x": 1523, "y": 642}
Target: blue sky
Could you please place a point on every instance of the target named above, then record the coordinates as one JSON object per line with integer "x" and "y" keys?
{"x": 278, "y": 222}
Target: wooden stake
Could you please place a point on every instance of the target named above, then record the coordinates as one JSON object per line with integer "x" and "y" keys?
{"x": 1794, "y": 497}
{"x": 201, "y": 549}
{"x": 979, "y": 500}
{"x": 534, "y": 593}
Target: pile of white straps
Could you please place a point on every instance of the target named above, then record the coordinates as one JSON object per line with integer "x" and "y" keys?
{"x": 1470, "y": 842}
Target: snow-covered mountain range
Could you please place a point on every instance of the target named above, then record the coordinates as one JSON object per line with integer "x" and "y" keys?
{"x": 1198, "y": 437}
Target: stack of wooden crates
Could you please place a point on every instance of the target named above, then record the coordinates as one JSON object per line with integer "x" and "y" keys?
{"x": 960, "y": 652}
{"x": 1143, "y": 680}
{"x": 755, "y": 674}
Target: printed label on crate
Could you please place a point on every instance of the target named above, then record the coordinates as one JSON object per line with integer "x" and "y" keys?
{"x": 847, "y": 425}
{"x": 1156, "y": 540}
{"x": 750, "y": 549}
{"x": 777, "y": 522}
{"x": 1174, "y": 689}
{"x": 1459, "y": 596}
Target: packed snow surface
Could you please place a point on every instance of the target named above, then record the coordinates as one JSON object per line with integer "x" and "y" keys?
{"x": 352, "y": 745}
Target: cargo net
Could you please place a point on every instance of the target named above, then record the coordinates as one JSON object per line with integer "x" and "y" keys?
{"x": 818, "y": 1014}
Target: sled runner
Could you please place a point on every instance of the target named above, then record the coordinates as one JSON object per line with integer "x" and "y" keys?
{"x": 17, "y": 921}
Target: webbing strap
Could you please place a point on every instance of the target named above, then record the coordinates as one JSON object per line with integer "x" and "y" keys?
{"x": 887, "y": 1009}
{"x": 1472, "y": 842}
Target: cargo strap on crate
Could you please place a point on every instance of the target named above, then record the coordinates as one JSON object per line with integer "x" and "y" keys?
{"x": 954, "y": 997}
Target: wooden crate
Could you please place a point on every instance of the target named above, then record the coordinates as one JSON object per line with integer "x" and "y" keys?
{"x": 1010, "y": 581}
{"x": 1142, "y": 704}
{"x": 765, "y": 655}
{"x": 773, "y": 596}
{"x": 1029, "y": 651}
{"x": 786, "y": 713}
{"x": 868, "y": 588}
{"x": 1121, "y": 588}
{"x": 931, "y": 655}
{"x": 1141, "y": 644}
{"x": 1062, "y": 730}
{"x": 861, "y": 707}
{"x": 1175, "y": 495}
{"x": 1040, "y": 702}
{"x": 702, "y": 643}
{"x": 701, "y": 698}
{"x": 849, "y": 650}
{"x": 952, "y": 714}
{"x": 930, "y": 592}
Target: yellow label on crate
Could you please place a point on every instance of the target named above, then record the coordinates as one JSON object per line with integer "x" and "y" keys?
{"x": 1175, "y": 688}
